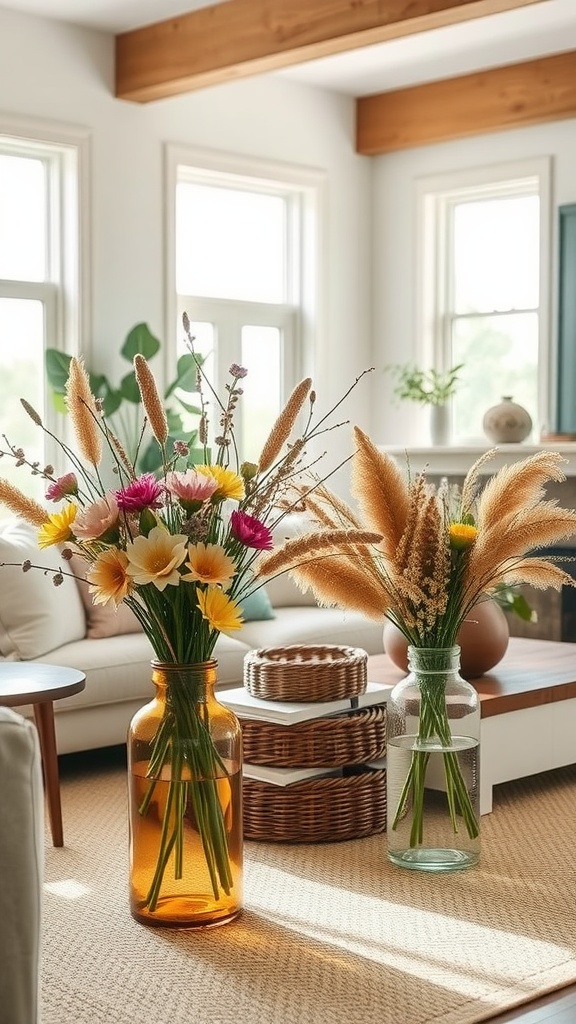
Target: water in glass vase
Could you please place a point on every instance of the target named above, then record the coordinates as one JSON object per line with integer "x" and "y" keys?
{"x": 188, "y": 895}
{"x": 432, "y": 765}
{"x": 431, "y": 836}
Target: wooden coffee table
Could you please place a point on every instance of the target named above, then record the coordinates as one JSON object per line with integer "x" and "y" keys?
{"x": 38, "y": 684}
{"x": 527, "y": 707}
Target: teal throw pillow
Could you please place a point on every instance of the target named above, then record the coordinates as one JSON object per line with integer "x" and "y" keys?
{"x": 257, "y": 606}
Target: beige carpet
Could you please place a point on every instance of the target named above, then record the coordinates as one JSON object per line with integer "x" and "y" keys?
{"x": 331, "y": 934}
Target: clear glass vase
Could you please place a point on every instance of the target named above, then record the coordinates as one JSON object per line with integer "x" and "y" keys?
{"x": 185, "y": 802}
{"x": 432, "y": 765}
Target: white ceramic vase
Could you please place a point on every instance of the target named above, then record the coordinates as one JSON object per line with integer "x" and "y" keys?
{"x": 507, "y": 423}
{"x": 440, "y": 425}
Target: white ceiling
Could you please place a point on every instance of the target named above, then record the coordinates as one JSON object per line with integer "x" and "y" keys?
{"x": 542, "y": 28}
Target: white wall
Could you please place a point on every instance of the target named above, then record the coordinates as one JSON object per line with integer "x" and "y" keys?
{"x": 394, "y": 315}
{"x": 59, "y": 72}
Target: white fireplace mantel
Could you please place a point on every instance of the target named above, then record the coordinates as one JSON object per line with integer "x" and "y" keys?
{"x": 456, "y": 461}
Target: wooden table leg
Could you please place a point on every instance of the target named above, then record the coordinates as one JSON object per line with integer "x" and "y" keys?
{"x": 44, "y": 718}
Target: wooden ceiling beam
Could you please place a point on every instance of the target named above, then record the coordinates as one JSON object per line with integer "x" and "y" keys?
{"x": 501, "y": 98}
{"x": 237, "y": 38}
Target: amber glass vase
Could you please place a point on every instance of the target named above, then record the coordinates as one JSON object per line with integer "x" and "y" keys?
{"x": 185, "y": 802}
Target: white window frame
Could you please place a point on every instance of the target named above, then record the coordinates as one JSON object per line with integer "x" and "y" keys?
{"x": 299, "y": 319}
{"x": 435, "y": 199}
{"x": 65, "y": 295}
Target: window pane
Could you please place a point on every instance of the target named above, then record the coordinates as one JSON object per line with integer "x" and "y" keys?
{"x": 230, "y": 244}
{"x": 496, "y": 254}
{"x": 22, "y": 376}
{"x": 261, "y": 351}
{"x": 500, "y": 357}
{"x": 22, "y": 219}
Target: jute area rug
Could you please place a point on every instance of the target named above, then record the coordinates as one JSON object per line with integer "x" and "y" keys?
{"x": 331, "y": 934}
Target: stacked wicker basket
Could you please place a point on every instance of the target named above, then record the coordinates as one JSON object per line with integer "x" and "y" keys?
{"x": 348, "y": 799}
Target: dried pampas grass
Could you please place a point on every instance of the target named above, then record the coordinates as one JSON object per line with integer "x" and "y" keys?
{"x": 83, "y": 413}
{"x": 22, "y": 506}
{"x": 381, "y": 491}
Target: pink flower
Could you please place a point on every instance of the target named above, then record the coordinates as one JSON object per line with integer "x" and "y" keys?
{"x": 250, "y": 531}
{"x": 64, "y": 485}
{"x": 191, "y": 488}
{"x": 97, "y": 520}
{"x": 145, "y": 492}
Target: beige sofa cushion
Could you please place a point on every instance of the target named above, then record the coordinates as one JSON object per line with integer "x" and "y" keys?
{"x": 314, "y": 626}
{"x": 35, "y": 616}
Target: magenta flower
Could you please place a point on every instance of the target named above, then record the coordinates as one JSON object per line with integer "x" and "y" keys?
{"x": 250, "y": 531}
{"x": 144, "y": 492}
{"x": 63, "y": 486}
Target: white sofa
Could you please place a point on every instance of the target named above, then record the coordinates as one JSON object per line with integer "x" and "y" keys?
{"x": 59, "y": 625}
{"x": 21, "y": 868}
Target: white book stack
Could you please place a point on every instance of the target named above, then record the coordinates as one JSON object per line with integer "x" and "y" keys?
{"x": 288, "y": 714}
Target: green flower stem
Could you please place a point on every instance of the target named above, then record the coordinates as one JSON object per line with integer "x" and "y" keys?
{"x": 183, "y": 742}
{"x": 433, "y": 722}
{"x": 166, "y": 844}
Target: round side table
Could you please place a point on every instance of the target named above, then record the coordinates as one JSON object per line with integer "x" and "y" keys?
{"x": 38, "y": 684}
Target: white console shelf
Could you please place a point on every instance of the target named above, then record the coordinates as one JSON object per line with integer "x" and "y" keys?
{"x": 456, "y": 461}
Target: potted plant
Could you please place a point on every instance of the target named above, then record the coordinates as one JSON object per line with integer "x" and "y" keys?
{"x": 429, "y": 387}
{"x": 121, "y": 403}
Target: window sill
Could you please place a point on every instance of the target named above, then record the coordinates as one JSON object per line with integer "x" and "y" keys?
{"x": 456, "y": 461}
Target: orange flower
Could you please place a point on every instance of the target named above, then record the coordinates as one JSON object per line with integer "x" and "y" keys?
{"x": 209, "y": 563}
{"x": 108, "y": 577}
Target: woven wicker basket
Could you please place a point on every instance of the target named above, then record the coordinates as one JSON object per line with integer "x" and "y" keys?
{"x": 321, "y": 810}
{"x": 351, "y": 738}
{"x": 306, "y": 673}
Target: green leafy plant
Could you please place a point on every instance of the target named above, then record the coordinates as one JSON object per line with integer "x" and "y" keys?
{"x": 430, "y": 387}
{"x": 514, "y": 603}
{"x": 121, "y": 404}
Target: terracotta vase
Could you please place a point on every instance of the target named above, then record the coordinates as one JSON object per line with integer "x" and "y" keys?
{"x": 483, "y": 640}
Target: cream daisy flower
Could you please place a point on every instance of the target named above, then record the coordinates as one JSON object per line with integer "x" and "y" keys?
{"x": 155, "y": 558}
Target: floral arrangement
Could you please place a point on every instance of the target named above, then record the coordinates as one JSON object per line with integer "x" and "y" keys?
{"x": 180, "y": 548}
{"x": 440, "y": 552}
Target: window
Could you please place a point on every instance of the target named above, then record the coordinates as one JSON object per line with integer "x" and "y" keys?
{"x": 39, "y": 285}
{"x": 245, "y": 250}
{"x": 484, "y": 289}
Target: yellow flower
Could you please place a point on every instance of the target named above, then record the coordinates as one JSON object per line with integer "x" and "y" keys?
{"x": 155, "y": 558}
{"x": 220, "y": 610}
{"x": 58, "y": 528}
{"x": 230, "y": 485}
{"x": 462, "y": 536}
{"x": 108, "y": 578}
{"x": 209, "y": 563}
